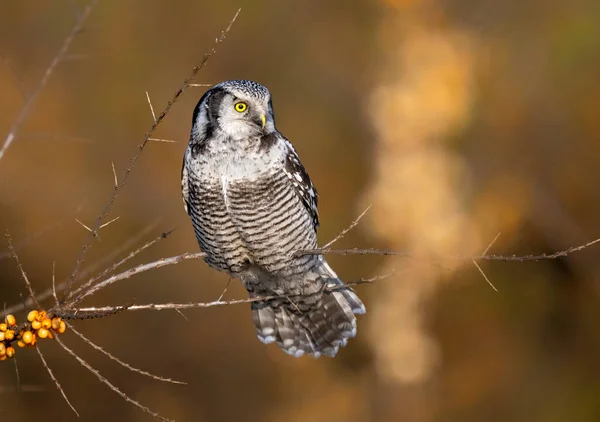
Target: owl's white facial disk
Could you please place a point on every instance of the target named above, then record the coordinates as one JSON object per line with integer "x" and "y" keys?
{"x": 238, "y": 114}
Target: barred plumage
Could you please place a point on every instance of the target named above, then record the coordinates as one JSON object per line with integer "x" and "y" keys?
{"x": 253, "y": 205}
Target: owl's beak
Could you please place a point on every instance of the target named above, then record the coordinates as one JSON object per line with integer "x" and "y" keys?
{"x": 263, "y": 119}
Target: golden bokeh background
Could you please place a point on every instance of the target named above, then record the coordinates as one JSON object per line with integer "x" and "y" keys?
{"x": 456, "y": 120}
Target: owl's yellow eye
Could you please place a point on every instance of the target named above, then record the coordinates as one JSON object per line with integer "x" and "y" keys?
{"x": 240, "y": 107}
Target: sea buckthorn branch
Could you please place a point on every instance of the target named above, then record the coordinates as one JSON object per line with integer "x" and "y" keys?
{"x": 43, "y": 324}
{"x": 39, "y": 325}
{"x": 28, "y": 302}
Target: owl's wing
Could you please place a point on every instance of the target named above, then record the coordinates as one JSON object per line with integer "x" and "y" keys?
{"x": 303, "y": 186}
{"x": 184, "y": 185}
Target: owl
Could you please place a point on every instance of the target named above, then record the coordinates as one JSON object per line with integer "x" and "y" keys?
{"x": 253, "y": 205}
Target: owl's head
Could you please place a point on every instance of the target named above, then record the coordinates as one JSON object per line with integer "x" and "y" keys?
{"x": 237, "y": 109}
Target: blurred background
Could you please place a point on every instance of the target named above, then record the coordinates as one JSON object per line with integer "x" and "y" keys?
{"x": 457, "y": 120}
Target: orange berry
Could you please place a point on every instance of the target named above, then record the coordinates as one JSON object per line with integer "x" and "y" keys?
{"x": 3, "y": 327}
{"x": 56, "y": 323}
{"x": 33, "y": 340}
{"x": 27, "y": 337}
{"x": 3, "y": 357}
{"x": 2, "y": 349}
{"x": 62, "y": 328}
{"x": 50, "y": 335}
{"x": 36, "y": 325}
{"x": 1, "y": 335}
{"x": 31, "y": 316}
{"x": 9, "y": 335}
{"x": 43, "y": 333}
{"x": 46, "y": 323}
{"x": 11, "y": 320}
{"x": 10, "y": 352}
{"x": 41, "y": 315}
{"x": 20, "y": 343}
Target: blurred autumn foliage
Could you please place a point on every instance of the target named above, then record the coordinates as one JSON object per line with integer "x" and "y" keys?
{"x": 456, "y": 120}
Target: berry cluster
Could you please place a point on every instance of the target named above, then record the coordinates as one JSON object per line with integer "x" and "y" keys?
{"x": 38, "y": 325}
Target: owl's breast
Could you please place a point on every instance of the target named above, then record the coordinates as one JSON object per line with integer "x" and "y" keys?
{"x": 246, "y": 212}
{"x": 272, "y": 222}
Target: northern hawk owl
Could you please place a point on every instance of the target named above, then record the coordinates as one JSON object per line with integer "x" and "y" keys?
{"x": 253, "y": 205}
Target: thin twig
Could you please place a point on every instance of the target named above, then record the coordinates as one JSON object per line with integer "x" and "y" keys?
{"x": 17, "y": 374}
{"x": 119, "y": 361}
{"x": 32, "y": 97}
{"x": 135, "y": 270}
{"x": 84, "y": 226}
{"x": 182, "y": 314}
{"x": 484, "y": 275}
{"x": 489, "y": 246}
{"x": 347, "y": 229}
{"x": 370, "y": 280}
{"x": 225, "y": 289}
{"x": 115, "y": 174}
{"x": 513, "y": 258}
{"x": 91, "y": 269}
{"x": 162, "y": 140}
{"x": 111, "y": 221}
{"x": 151, "y": 108}
{"x": 103, "y": 380}
{"x": 53, "y": 283}
{"x": 117, "y": 265}
{"x": 141, "y": 147}
{"x": 55, "y": 380}
{"x": 25, "y": 279}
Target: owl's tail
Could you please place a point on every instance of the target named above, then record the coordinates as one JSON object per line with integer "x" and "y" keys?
{"x": 311, "y": 327}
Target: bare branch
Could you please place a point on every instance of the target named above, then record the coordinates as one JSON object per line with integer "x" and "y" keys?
{"x": 53, "y": 284}
{"x": 108, "y": 258}
{"x": 224, "y": 290}
{"x": 55, "y": 380}
{"x": 141, "y": 147}
{"x": 491, "y": 243}
{"x": 17, "y": 374}
{"x": 479, "y": 267}
{"x": 162, "y": 140}
{"x": 347, "y": 229}
{"x": 119, "y": 361}
{"x": 484, "y": 275}
{"x": 84, "y": 226}
{"x": 504, "y": 258}
{"x": 193, "y": 305}
{"x": 32, "y": 97}
{"x": 133, "y": 271}
{"x": 151, "y": 108}
{"x": 111, "y": 221}
{"x": 103, "y": 380}
{"x": 116, "y": 265}
{"x": 115, "y": 174}
{"x": 25, "y": 279}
